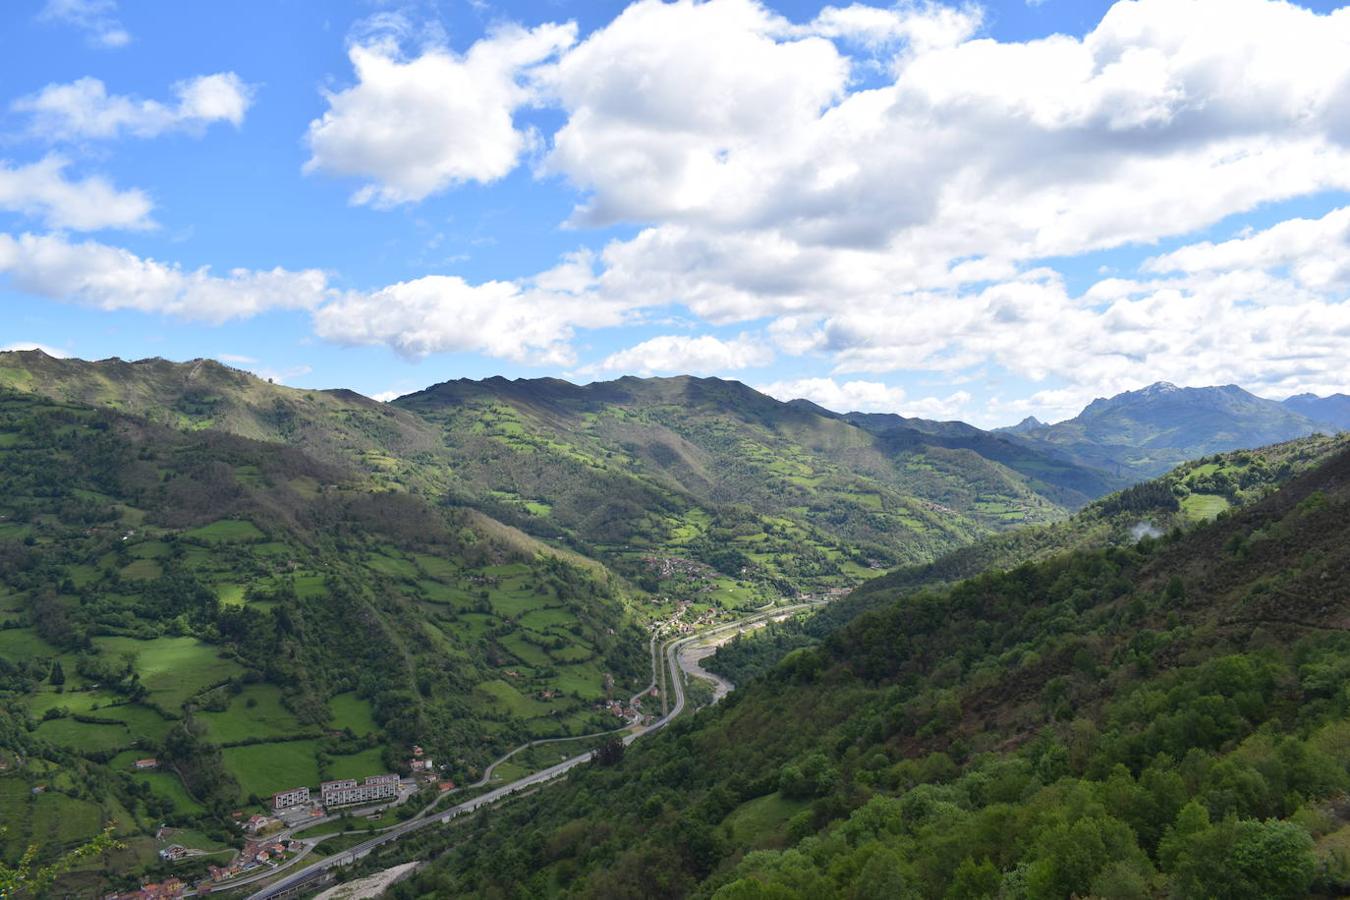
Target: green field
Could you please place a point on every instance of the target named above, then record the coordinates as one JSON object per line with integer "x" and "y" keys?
{"x": 23, "y": 644}
{"x": 257, "y": 712}
{"x": 264, "y": 769}
{"x": 226, "y": 531}
{"x": 173, "y": 668}
{"x": 350, "y": 711}
{"x": 168, "y": 786}
{"x": 762, "y": 822}
{"x": 504, "y": 696}
{"x": 357, "y": 765}
{"x": 83, "y": 737}
{"x": 1203, "y": 506}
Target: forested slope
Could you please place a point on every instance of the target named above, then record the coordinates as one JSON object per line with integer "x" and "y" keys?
{"x": 1190, "y": 494}
{"x": 1162, "y": 719}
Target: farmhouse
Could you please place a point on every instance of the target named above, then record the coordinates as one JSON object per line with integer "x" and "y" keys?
{"x": 292, "y": 797}
{"x": 258, "y": 824}
{"x": 147, "y": 763}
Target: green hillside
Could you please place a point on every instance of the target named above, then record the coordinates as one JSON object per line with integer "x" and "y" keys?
{"x": 259, "y": 619}
{"x": 743, "y": 497}
{"x": 716, "y": 472}
{"x": 1192, "y": 493}
{"x": 1162, "y": 719}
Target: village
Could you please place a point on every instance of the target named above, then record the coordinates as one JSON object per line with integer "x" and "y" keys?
{"x": 270, "y": 841}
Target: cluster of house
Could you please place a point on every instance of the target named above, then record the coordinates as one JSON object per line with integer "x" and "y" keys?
{"x": 619, "y": 711}
{"x": 163, "y": 890}
{"x": 420, "y": 762}
{"x": 343, "y": 792}
{"x": 254, "y": 854}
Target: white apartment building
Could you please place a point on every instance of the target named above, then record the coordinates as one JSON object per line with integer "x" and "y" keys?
{"x": 347, "y": 791}
{"x": 293, "y": 797}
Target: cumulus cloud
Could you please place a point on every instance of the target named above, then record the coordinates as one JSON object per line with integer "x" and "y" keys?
{"x": 42, "y": 190}
{"x": 111, "y": 278}
{"x": 56, "y": 352}
{"x": 96, "y": 18}
{"x": 1315, "y": 253}
{"x": 718, "y": 123}
{"x": 413, "y": 127}
{"x": 84, "y": 109}
{"x": 440, "y": 313}
{"x": 867, "y": 396}
{"x": 849, "y": 396}
{"x": 678, "y": 354}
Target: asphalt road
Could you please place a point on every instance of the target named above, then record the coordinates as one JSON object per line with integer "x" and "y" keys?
{"x": 672, "y": 650}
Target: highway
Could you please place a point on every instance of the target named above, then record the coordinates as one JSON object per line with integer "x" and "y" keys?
{"x": 673, "y": 666}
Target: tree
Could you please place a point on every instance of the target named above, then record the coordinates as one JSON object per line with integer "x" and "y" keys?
{"x": 58, "y": 676}
{"x": 1245, "y": 859}
{"x": 610, "y": 753}
{"x": 24, "y": 878}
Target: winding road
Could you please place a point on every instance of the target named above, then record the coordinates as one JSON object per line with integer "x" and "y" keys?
{"x": 675, "y": 663}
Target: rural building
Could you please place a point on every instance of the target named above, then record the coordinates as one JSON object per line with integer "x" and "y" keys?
{"x": 292, "y": 797}
{"x": 147, "y": 763}
{"x": 173, "y": 852}
{"x": 258, "y": 824}
{"x": 347, "y": 791}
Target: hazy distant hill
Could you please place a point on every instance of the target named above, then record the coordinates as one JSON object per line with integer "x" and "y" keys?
{"x": 1141, "y": 434}
{"x": 1333, "y": 410}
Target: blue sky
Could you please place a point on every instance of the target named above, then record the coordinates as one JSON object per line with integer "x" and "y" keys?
{"x": 934, "y": 210}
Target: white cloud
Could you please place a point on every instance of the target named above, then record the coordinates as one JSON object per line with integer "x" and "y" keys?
{"x": 112, "y": 278}
{"x": 386, "y": 396}
{"x": 418, "y": 126}
{"x": 97, "y": 18}
{"x": 867, "y": 396}
{"x": 442, "y": 313}
{"x": 84, "y": 109}
{"x": 979, "y": 156}
{"x": 679, "y": 354}
{"x": 669, "y": 102}
{"x": 922, "y": 26}
{"x": 56, "y": 352}
{"x": 41, "y": 190}
{"x": 1314, "y": 252}
{"x": 850, "y": 396}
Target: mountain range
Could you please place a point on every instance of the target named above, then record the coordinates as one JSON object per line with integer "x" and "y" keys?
{"x": 266, "y": 586}
{"x": 1141, "y": 434}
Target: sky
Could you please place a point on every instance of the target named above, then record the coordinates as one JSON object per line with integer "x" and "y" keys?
{"x": 973, "y": 211}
